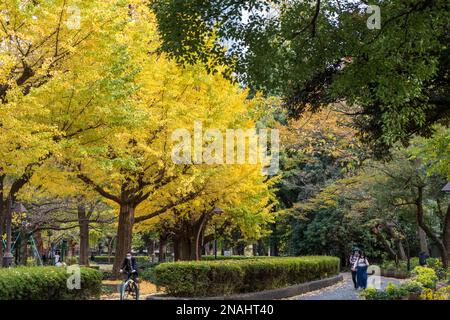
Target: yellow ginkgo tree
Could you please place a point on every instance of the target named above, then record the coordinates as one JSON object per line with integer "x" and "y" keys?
{"x": 61, "y": 75}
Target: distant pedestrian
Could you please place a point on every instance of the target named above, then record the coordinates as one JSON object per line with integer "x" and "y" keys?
{"x": 57, "y": 257}
{"x": 353, "y": 257}
{"x": 361, "y": 264}
{"x": 423, "y": 258}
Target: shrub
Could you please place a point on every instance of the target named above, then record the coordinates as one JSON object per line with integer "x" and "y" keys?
{"x": 210, "y": 278}
{"x": 72, "y": 260}
{"x": 393, "y": 292}
{"x": 426, "y": 276}
{"x": 434, "y": 263}
{"x": 47, "y": 283}
{"x": 374, "y": 294}
{"x": 413, "y": 287}
{"x": 213, "y": 258}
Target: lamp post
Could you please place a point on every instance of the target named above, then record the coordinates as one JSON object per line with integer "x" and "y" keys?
{"x": 11, "y": 208}
{"x": 215, "y": 242}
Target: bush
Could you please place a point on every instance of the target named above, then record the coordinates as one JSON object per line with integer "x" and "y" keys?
{"x": 47, "y": 283}
{"x": 393, "y": 292}
{"x": 440, "y": 294}
{"x": 426, "y": 276}
{"x": 72, "y": 260}
{"x": 374, "y": 294}
{"x": 413, "y": 287}
{"x": 434, "y": 263}
{"x": 213, "y": 258}
{"x": 211, "y": 278}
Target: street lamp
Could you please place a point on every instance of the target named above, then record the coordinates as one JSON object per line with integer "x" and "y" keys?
{"x": 11, "y": 208}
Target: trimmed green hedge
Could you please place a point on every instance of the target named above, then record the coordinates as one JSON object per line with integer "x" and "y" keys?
{"x": 104, "y": 259}
{"x": 213, "y": 258}
{"x": 47, "y": 283}
{"x": 214, "y": 278}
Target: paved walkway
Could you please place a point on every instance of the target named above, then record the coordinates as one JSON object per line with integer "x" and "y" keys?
{"x": 343, "y": 290}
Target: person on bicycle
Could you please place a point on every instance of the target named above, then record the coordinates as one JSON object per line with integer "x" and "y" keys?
{"x": 129, "y": 266}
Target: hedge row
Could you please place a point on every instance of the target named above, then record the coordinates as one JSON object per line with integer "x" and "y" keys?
{"x": 110, "y": 259}
{"x": 47, "y": 283}
{"x": 217, "y": 278}
{"x": 219, "y": 257}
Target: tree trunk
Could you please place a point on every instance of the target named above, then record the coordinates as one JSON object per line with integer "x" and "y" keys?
{"x": 22, "y": 249}
{"x": 2, "y": 215}
{"x": 176, "y": 249}
{"x": 110, "y": 248}
{"x": 429, "y": 232}
{"x": 446, "y": 231}
{"x": 401, "y": 249}
{"x": 423, "y": 240}
{"x": 7, "y": 223}
{"x": 397, "y": 240}
{"x": 83, "y": 223}
{"x": 377, "y": 232}
{"x": 274, "y": 240}
{"x": 162, "y": 249}
{"x": 199, "y": 235}
{"x": 261, "y": 248}
{"x": 151, "y": 249}
{"x": 124, "y": 235}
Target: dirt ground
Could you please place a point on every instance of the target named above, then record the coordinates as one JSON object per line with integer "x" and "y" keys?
{"x": 112, "y": 289}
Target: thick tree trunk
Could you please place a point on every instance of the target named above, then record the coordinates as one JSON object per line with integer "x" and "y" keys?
{"x": 423, "y": 240}
{"x": 23, "y": 249}
{"x": 429, "y": 232}
{"x": 162, "y": 249}
{"x": 446, "y": 231}
{"x": 83, "y": 223}
{"x": 185, "y": 245}
{"x": 176, "y": 249}
{"x": 274, "y": 241}
{"x": 401, "y": 249}
{"x": 124, "y": 235}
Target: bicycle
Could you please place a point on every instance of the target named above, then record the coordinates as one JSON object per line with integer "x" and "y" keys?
{"x": 129, "y": 290}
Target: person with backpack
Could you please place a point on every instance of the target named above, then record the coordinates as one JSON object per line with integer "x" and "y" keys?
{"x": 352, "y": 259}
{"x": 361, "y": 264}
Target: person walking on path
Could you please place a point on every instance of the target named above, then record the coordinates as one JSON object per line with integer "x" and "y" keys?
{"x": 353, "y": 257}
{"x": 361, "y": 265}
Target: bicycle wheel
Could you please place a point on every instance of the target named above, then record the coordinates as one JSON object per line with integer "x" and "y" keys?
{"x": 136, "y": 290}
{"x": 129, "y": 291}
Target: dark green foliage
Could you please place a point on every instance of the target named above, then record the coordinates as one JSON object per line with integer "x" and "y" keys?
{"x": 209, "y": 278}
{"x": 47, "y": 283}
{"x": 395, "y": 78}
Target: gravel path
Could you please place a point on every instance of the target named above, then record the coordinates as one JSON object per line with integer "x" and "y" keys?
{"x": 343, "y": 290}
